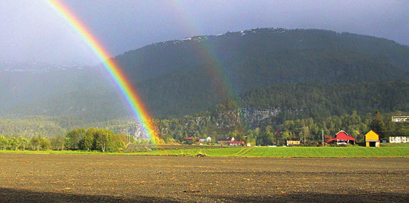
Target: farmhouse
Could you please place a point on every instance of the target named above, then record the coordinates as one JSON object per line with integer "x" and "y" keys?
{"x": 293, "y": 141}
{"x": 237, "y": 143}
{"x": 341, "y": 138}
{"x": 398, "y": 139}
{"x": 225, "y": 140}
{"x": 199, "y": 139}
{"x": 372, "y": 139}
{"x": 208, "y": 139}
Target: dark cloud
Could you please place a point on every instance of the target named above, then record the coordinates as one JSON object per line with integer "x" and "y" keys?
{"x": 31, "y": 31}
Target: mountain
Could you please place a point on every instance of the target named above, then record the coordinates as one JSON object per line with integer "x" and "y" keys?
{"x": 262, "y": 54}
{"x": 184, "y": 77}
{"x": 192, "y": 75}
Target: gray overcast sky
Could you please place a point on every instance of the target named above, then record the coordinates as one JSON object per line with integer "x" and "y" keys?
{"x": 30, "y": 31}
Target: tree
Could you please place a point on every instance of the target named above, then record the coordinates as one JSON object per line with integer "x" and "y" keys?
{"x": 287, "y": 134}
{"x": 74, "y": 137}
{"x": 305, "y": 133}
{"x": 142, "y": 141}
{"x": 88, "y": 142}
{"x": 377, "y": 125}
{"x": 106, "y": 140}
{"x": 357, "y": 136}
{"x": 3, "y": 142}
{"x": 269, "y": 134}
{"x": 35, "y": 143}
{"x": 44, "y": 143}
{"x": 250, "y": 138}
{"x": 171, "y": 140}
{"x": 57, "y": 142}
{"x": 14, "y": 143}
{"x": 101, "y": 140}
{"x": 157, "y": 141}
{"x": 23, "y": 142}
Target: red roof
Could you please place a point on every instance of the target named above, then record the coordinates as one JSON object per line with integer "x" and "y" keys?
{"x": 342, "y": 135}
{"x": 238, "y": 142}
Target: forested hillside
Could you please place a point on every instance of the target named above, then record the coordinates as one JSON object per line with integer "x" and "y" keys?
{"x": 192, "y": 75}
{"x": 286, "y": 108}
{"x": 235, "y": 81}
{"x": 280, "y": 55}
{"x": 320, "y": 100}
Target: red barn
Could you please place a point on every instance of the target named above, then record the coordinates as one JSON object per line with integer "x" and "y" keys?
{"x": 341, "y": 138}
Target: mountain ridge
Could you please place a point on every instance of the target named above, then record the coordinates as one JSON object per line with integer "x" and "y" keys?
{"x": 233, "y": 48}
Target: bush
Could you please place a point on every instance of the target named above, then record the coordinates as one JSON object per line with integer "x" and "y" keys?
{"x": 201, "y": 154}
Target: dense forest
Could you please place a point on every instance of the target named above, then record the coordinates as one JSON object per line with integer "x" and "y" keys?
{"x": 261, "y": 116}
{"x": 320, "y": 100}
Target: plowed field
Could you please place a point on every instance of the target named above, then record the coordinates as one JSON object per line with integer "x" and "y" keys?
{"x": 109, "y": 178}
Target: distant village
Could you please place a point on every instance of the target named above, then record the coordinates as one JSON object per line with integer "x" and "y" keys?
{"x": 342, "y": 138}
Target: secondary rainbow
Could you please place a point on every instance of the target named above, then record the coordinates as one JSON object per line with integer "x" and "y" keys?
{"x": 136, "y": 104}
{"x": 204, "y": 50}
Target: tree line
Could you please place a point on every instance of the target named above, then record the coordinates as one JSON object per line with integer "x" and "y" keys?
{"x": 177, "y": 130}
{"x": 77, "y": 139}
{"x": 23, "y": 143}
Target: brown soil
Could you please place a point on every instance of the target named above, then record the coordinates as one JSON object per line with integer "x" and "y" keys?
{"x": 106, "y": 178}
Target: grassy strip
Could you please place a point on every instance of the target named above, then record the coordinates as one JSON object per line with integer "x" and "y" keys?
{"x": 307, "y": 152}
{"x": 329, "y": 152}
{"x": 395, "y": 144}
{"x": 220, "y": 152}
{"x": 61, "y": 152}
{"x": 289, "y": 152}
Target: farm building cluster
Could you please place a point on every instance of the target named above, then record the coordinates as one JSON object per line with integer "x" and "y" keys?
{"x": 199, "y": 139}
{"x": 226, "y": 141}
{"x": 341, "y": 138}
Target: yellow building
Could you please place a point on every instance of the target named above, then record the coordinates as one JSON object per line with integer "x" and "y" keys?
{"x": 372, "y": 139}
{"x": 293, "y": 141}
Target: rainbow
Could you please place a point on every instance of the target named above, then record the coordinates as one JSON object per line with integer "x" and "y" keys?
{"x": 204, "y": 50}
{"x": 130, "y": 94}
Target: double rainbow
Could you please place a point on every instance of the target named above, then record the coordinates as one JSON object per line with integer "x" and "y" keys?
{"x": 136, "y": 104}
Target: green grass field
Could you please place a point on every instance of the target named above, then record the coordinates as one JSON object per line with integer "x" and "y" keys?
{"x": 289, "y": 152}
{"x": 307, "y": 152}
{"x": 60, "y": 152}
{"x": 394, "y": 144}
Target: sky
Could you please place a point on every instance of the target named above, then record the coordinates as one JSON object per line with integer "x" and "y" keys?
{"x": 30, "y": 31}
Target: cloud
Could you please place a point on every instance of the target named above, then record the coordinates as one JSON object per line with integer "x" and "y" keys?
{"x": 33, "y": 32}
